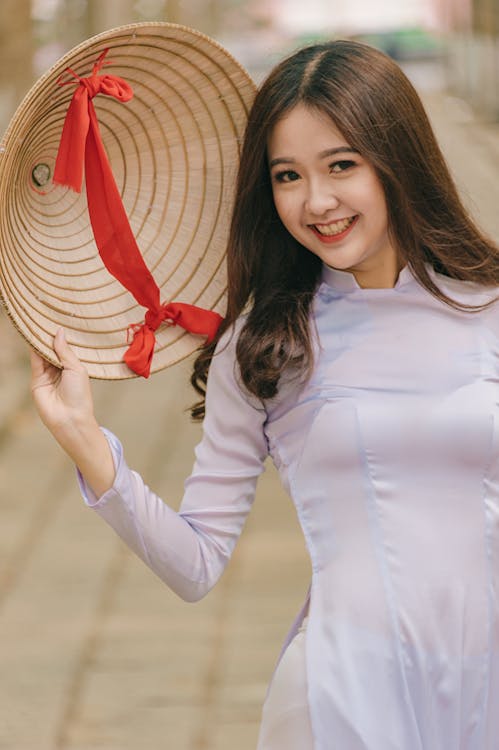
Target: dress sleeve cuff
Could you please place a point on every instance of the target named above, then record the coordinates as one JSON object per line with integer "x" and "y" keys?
{"x": 89, "y": 496}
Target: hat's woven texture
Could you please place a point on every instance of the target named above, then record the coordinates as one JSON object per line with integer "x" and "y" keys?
{"x": 174, "y": 152}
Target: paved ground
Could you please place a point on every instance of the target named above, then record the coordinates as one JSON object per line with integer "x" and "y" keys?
{"x": 95, "y": 653}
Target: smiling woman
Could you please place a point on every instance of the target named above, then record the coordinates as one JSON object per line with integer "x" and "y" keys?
{"x": 360, "y": 350}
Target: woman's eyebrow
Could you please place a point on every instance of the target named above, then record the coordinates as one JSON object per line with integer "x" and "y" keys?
{"x": 338, "y": 150}
{"x": 321, "y": 155}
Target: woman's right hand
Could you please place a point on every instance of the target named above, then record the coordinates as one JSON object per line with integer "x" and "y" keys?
{"x": 61, "y": 395}
{"x": 64, "y": 402}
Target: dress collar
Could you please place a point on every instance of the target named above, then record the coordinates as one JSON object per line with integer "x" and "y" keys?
{"x": 345, "y": 281}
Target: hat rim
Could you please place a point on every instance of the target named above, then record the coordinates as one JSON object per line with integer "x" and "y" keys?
{"x": 29, "y": 333}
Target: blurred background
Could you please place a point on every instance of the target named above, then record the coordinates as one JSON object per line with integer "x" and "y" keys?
{"x": 443, "y": 43}
{"x": 95, "y": 653}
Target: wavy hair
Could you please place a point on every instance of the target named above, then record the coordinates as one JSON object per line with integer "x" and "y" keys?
{"x": 270, "y": 275}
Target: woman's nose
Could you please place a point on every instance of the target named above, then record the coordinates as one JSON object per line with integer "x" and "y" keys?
{"x": 321, "y": 198}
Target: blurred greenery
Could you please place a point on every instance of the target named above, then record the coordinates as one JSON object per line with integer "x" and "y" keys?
{"x": 405, "y": 44}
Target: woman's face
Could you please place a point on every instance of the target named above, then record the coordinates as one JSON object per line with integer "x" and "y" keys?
{"x": 329, "y": 197}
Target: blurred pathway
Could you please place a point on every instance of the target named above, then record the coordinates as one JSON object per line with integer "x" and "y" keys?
{"x": 95, "y": 652}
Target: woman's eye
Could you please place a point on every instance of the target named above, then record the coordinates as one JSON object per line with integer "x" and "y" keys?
{"x": 342, "y": 166}
{"x": 286, "y": 176}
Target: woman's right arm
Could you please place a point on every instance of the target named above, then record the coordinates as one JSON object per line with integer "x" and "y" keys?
{"x": 188, "y": 549}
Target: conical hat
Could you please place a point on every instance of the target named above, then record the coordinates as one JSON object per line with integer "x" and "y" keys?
{"x": 174, "y": 152}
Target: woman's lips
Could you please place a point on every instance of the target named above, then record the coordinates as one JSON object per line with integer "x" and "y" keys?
{"x": 330, "y": 238}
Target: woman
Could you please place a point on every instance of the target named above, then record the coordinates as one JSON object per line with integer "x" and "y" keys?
{"x": 361, "y": 350}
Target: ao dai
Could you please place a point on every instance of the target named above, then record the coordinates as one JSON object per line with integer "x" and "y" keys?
{"x": 390, "y": 454}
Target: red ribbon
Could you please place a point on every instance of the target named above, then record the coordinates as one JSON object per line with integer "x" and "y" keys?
{"x": 81, "y": 146}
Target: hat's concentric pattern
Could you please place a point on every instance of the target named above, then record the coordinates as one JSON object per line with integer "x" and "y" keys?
{"x": 174, "y": 151}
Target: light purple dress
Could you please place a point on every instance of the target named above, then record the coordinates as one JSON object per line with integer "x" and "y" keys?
{"x": 390, "y": 454}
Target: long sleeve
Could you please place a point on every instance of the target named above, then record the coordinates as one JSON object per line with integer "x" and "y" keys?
{"x": 189, "y": 550}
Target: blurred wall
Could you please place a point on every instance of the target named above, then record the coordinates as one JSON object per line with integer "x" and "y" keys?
{"x": 16, "y": 71}
{"x": 35, "y": 33}
{"x": 474, "y": 55}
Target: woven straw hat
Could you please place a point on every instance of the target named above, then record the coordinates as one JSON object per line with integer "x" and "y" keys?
{"x": 174, "y": 151}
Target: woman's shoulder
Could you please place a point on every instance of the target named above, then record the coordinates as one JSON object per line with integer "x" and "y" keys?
{"x": 228, "y": 340}
{"x": 467, "y": 292}
{"x": 472, "y": 293}
{"x": 224, "y": 365}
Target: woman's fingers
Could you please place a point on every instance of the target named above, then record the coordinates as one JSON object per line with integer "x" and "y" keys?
{"x": 61, "y": 394}
{"x": 67, "y": 357}
{"x": 42, "y": 372}
{"x": 64, "y": 402}
{"x": 37, "y": 364}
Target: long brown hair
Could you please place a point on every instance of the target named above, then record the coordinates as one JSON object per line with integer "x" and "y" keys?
{"x": 372, "y": 103}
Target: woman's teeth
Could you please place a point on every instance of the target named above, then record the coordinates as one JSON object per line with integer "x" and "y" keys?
{"x": 331, "y": 229}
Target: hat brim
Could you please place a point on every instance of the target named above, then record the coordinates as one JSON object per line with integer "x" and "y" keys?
{"x": 174, "y": 152}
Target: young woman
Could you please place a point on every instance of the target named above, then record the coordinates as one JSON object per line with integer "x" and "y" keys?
{"x": 361, "y": 350}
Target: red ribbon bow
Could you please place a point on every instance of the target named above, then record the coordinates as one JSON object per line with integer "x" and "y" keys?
{"x": 81, "y": 145}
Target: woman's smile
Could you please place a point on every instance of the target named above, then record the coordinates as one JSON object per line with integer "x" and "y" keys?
{"x": 334, "y": 230}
